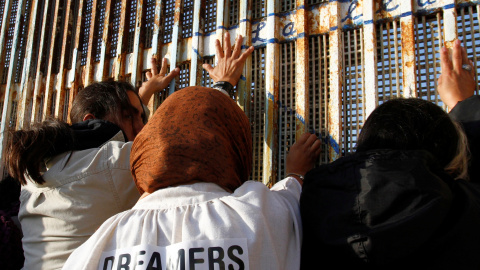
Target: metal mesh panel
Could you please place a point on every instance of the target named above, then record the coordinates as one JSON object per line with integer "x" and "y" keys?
{"x": 2, "y": 9}
{"x": 206, "y": 80}
{"x": 168, "y": 17}
{"x": 87, "y": 20}
{"x": 117, "y": 9}
{"x": 183, "y": 79}
{"x": 427, "y": 49}
{"x": 99, "y": 23}
{"x": 22, "y": 42}
{"x": 313, "y": 2}
{"x": 210, "y": 15}
{"x": 9, "y": 39}
{"x": 353, "y": 112}
{"x": 258, "y": 9}
{"x": 66, "y": 103}
{"x": 469, "y": 33}
{"x": 257, "y": 111}
{"x": 233, "y": 12}
{"x": 286, "y": 110}
{"x": 149, "y": 21}
{"x": 318, "y": 92}
{"x": 389, "y": 61}
{"x": 131, "y": 25}
{"x": 187, "y": 18}
{"x": 287, "y": 5}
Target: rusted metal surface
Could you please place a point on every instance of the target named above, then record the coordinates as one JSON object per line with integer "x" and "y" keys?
{"x": 301, "y": 69}
{"x": 349, "y": 56}
{"x": 334, "y": 104}
{"x": 26, "y": 84}
{"x": 408, "y": 51}
{"x": 271, "y": 86}
{"x": 245, "y": 29}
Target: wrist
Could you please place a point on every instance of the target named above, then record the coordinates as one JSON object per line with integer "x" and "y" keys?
{"x": 296, "y": 175}
{"x": 225, "y": 86}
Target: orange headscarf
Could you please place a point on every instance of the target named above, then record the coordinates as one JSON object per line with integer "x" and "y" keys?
{"x": 197, "y": 134}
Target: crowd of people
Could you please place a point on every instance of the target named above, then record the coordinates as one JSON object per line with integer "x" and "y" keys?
{"x": 118, "y": 189}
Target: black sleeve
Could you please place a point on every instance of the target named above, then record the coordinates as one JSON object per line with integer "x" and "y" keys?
{"x": 467, "y": 113}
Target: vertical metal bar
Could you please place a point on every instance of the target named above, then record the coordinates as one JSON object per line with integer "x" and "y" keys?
{"x": 104, "y": 64}
{"x": 369, "y": 43}
{"x": 137, "y": 59}
{"x": 408, "y": 50}
{"x": 26, "y": 86}
{"x": 336, "y": 67}
{"x": 118, "y": 69}
{"x": 325, "y": 91}
{"x": 38, "y": 88}
{"x": 220, "y": 29}
{"x": 197, "y": 41}
{"x": 59, "y": 114}
{"x": 9, "y": 93}
{"x": 174, "y": 44}
{"x": 245, "y": 27}
{"x": 49, "y": 84}
{"x": 74, "y": 78}
{"x": 301, "y": 69}
{"x": 432, "y": 30}
{"x": 271, "y": 85}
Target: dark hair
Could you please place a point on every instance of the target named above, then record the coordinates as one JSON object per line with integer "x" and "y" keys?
{"x": 411, "y": 123}
{"x": 101, "y": 99}
{"x": 27, "y": 149}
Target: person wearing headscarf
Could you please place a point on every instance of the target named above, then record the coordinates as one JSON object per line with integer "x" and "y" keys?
{"x": 198, "y": 210}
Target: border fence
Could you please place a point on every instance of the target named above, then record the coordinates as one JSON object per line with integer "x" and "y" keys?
{"x": 319, "y": 65}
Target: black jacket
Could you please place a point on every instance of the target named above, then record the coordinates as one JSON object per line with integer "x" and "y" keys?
{"x": 389, "y": 209}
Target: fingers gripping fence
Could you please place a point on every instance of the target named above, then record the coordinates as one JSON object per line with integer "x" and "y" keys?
{"x": 319, "y": 66}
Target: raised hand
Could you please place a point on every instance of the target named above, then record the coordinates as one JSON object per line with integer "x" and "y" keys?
{"x": 156, "y": 81}
{"x": 230, "y": 64}
{"x": 457, "y": 81}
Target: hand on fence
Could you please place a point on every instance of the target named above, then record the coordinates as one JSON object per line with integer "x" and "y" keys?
{"x": 457, "y": 81}
{"x": 303, "y": 154}
{"x": 156, "y": 81}
{"x": 230, "y": 64}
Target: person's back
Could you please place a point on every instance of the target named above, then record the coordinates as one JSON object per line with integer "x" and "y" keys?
{"x": 75, "y": 176}
{"x": 191, "y": 162}
{"x": 82, "y": 189}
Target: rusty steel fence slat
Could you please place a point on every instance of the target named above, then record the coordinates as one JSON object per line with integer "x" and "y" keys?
{"x": 319, "y": 66}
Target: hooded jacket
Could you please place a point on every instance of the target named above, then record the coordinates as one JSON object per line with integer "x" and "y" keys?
{"x": 389, "y": 209}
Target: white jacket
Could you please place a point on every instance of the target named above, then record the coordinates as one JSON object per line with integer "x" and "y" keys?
{"x": 201, "y": 226}
{"x": 82, "y": 190}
